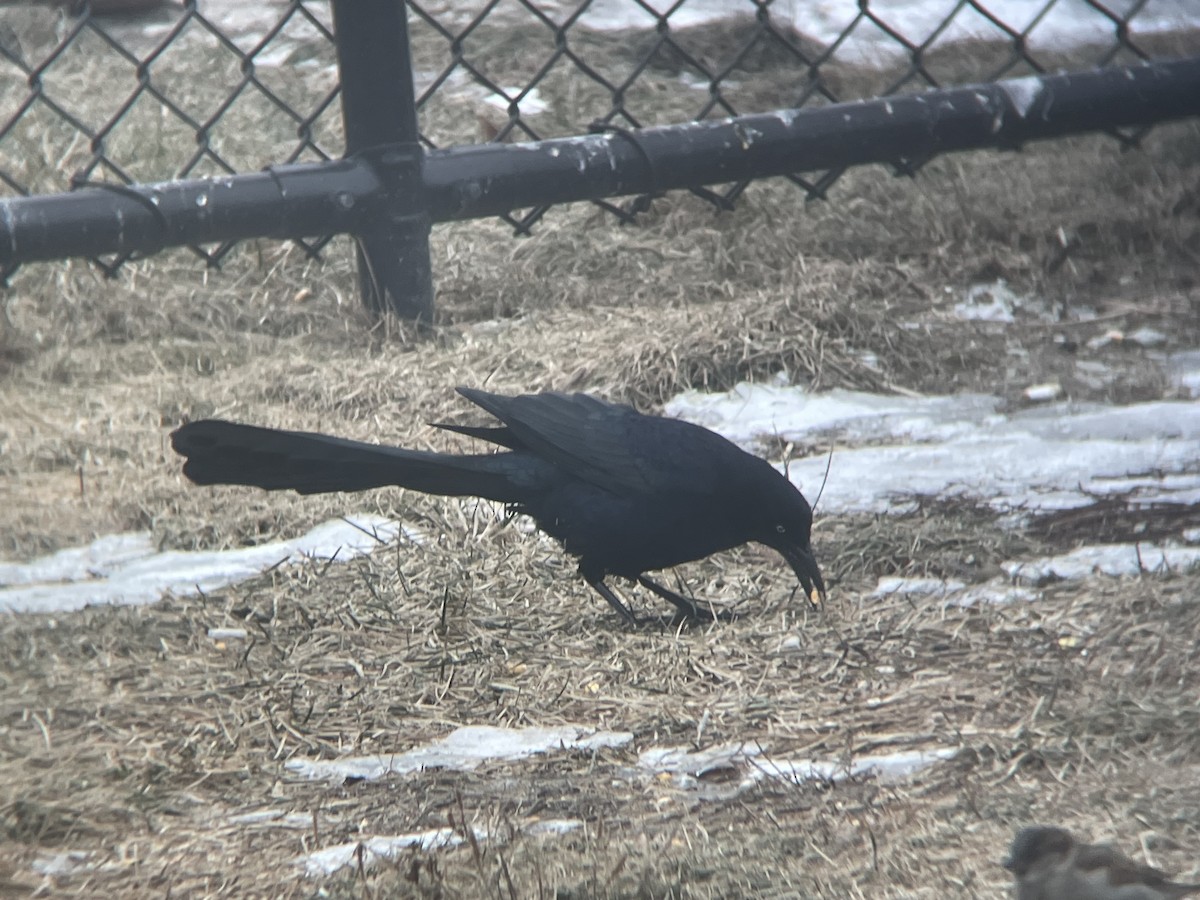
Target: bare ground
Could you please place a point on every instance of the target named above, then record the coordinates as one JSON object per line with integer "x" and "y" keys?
{"x": 132, "y": 739}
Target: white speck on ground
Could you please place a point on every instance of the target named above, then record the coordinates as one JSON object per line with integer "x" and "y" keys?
{"x": 1043, "y": 393}
{"x": 994, "y": 302}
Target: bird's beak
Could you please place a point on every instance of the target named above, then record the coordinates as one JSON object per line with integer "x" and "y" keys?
{"x": 802, "y": 563}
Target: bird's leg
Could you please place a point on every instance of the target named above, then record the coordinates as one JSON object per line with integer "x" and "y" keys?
{"x": 686, "y": 607}
{"x": 613, "y": 600}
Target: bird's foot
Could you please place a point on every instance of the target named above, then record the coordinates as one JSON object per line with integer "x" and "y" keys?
{"x": 689, "y": 611}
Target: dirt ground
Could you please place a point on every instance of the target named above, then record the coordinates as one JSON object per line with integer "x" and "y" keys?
{"x": 149, "y": 758}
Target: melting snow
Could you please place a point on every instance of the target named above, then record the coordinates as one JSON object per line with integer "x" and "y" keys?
{"x": 994, "y": 591}
{"x": 464, "y": 748}
{"x": 126, "y": 569}
{"x": 924, "y": 586}
{"x": 1114, "y": 560}
{"x": 1065, "y": 24}
{"x": 1055, "y": 456}
{"x": 995, "y": 302}
{"x": 885, "y": 767}
{"x": 687, "y": 768}
{"x": 331, "y": 859}
{"x": 1107, "y": 559}
{"x": 1147, "y": 337}
{"x": 273, "y": 818}
{"x": 955, "y": 593}
{"x": 60, "y": 865}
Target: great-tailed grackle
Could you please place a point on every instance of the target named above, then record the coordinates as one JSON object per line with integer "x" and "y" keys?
{"x": 624, "y": 492}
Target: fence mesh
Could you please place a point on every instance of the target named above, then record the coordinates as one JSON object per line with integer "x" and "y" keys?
{"x": 217, "y": 87}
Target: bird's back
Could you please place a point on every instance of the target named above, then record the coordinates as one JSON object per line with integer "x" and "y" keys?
{"x": 638, "y": 492}
{"x": 615, "y": 447}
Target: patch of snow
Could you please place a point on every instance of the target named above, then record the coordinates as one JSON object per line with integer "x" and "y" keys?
{"x": 1107, "y": 559}
{"x": 994, "y": 591}
{"x": 125, "y": 569}
{"x": 885, "y": 767}
{"x": 697, "y": 763}
{"x": 687, "y": 767}
{"x": 60, "y": 865}
{"x": 993, "y": 302}
{"x": 754, "y": 412}
{"x": 97, "y": 560}
{"x": 273, "y": 818}
{"x": 554, "y": 826}
{"x": 1147, "y": 337}
{"x": 937, "y": 586}
{"x": 332, "y": 859}
{"x": 956, "y": 593}
{"x": 1054, "y": 456}
{"x": 464, "y": 748}
{"x": 1066, "y": 24}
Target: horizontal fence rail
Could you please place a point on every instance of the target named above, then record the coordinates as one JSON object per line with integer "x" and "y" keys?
{"x": 394, "y": 181}
{"x": 902, "y": 131}
{"x": 306, "y": 200}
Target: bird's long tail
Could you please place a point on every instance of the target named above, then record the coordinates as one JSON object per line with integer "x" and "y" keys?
{"x": 229, "y": 453}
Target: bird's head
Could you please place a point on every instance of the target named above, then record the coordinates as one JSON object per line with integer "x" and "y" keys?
{"x": 786, "y": 526}
{"x": 1035, "y": 844}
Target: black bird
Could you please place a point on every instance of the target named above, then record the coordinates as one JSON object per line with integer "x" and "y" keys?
{"x": 625, "y": 492}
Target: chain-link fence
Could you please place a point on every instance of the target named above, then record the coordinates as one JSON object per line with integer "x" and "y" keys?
{"x": 218, "y": 89}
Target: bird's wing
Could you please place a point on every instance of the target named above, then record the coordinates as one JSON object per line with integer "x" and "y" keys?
{"x": 500, "y": 436}
{"x": 1121, "y": 869}
{"x": 586, "y": 437}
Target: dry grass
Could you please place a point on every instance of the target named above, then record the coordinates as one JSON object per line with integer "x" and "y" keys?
{"x": 141, "y": 739}
{"x": 130, "y": 737}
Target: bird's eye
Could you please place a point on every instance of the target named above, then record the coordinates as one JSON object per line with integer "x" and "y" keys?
{"x": 780, "y": 529}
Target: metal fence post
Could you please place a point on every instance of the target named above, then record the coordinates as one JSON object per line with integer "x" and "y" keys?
{"x": 380, "y": 115}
